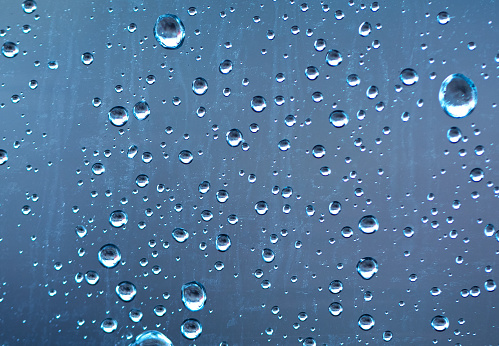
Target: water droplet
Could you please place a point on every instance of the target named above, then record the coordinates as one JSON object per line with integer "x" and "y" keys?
{"x": 193, "y": 296}
{"x": 334, "y": 208}
{"x": 87, "y": 58}
{"x": 204, "y": 187}
{"x": 476, "y": 174}
{"x": 408, "y": 232}
{"x": 234, "y": 137}
{"x": 223, "y": 242}
{"x": 335, "y": 309}
{"x": 180, "y": 234}
{"x": 312, "y": 72}
{"x": 109, "y": 255}
{"x": 261, "y": 207}
{"x": 152, "y": 338}
{"x": 109, "y": 325}
{"x": 199, "y": 86}
{"x": 443, "y": 17}
{"x": 91, "y": 277}
{"x": 9, "y": 49}
{"x": 126, "y": 291}
{"x": 338, "y": 118}
{"x": 169, "y": 31}
{"x": 191, "y": 328}
{"x": 284, "y": 145}
{"x": 222, "y": 196}
{"x": 258, "y": 104}
{"x": 454, "y": 134}
{"x": 440, "y": 323}
{"x": 185, "y": 156}
{"x": 4, "y": 157}
{"x": 118, "y": 218}
{"x": 135, "y": 315}
{"x": 318, "y": 151}
{"x": 98, "y": 168}
{"x": 268, "y": 255}
{"x": 29, "y": 6}
{"x": 333, "y": 57}
{"x": 320, "y": 44}
{"x": 353, "y": 80}
{"x": 365, "y": 29}
{"x": 142, "y": 180}
{"x": 408, "y": 76}
{"x": 141, "y": 110}
{"x": 490, "y": 285}
{"x": 53, "y": 65}
{"x": 368, "y": 224}
{"x": 366, "y": 322}
{"x": 336, "y": 286}
{"x": 458, "y": 95}
{"x": 372, "y": 92}
{"x": 225, "y": 66}
{"x": 118, "y": 116}
{"x": 81, "y": 231}
{"x": 387, "y": 335}
{"x": 489, "y": 230}
{"x": 367, "y": 267}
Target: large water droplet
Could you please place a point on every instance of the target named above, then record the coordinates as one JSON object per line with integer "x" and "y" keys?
{"x": 408, "y": 76}
{"x": 185, "y": 156}
{"x": 234, "y": 137}
{"x": 169, "y": 31}
{"x": 9, "y": 49}
{"x": 440, "y": 323}
{"x": 367, "y": 267}
{"x": 191, "y": 328}
{"x": 225, "y": 66}
{"x": 458, "y": 95}
{"x": 261, "y": 207}
{"x": 199, "y": 86}
{"x": 223, "y": 242}
{"x": 365, "y": 29}
{"x": 4, "y": 157}
{"x": 118, "y": 218}
{"x": 368, "y": 224}
{"x": 268, "y": 255}
{"x": 109, "y": 325}
{"x": 118, "y": 116}
{"x": 109, "y": 255}
{"x": 193, "y": 296}
{"x": 443, "y": 17}
{"x": 336, "y": 286}
{"x": 258, "y": 104}
{"x": 141, "y": 110}
{"x": 333, "y": 57}
{"x": 476, "y": 174}
{"x": 366, "y": 322}
{"x": 126, "y": 291}
{"x": 98, "y": 168}
{"x": 338, "y": 118}
{"x": 180, "y": 235}
{"x": 334, "y": 208}
{"x": 312, "y": 72}
{"x": 152, "y": 338}
{"x": 29, "y": 6}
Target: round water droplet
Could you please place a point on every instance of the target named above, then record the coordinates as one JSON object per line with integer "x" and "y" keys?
{"x": 9, "y": 49}
{"x": 4, "y": 157}
{"x": 81, "y": 231}
{"x": 443, "y": 17}
{"x": 338, "y": 118}
{"x": 152, "y": 338}
{"x": 225, "y": 66}
{"x": 336, "y": 286}
{"x": 169, "y": 31}
{"x": 334, "y": 208}
{"x": 372, "y": 92}
{"x": 191, "y": 328}
{"x": 109, "y": 255}
{"x": 353, "y": 80}
{"x": 126, "y": 291}
{"x": 408, "y": 76}
{"x": 365, "y": 29}
{"x": 367, "y": 267}
{"x": 366, "y": 322}
{"x": 335, "y": 309}
{"x": 118, "y": 116}
{"x": 185, "y": 156}
{"x": 193, "y": 296}
{"x": 91, "y": 277}
{"x": 490, "y": 285}
{"x": 180, "y": 234}
{"x": 268, "y": 255}
{"x": 98, "y": 168}
{"x": 408, "y": 232}
{"x": 261, "y": 207}
{"x": 258, "y": 104}
{"x": 142, "y": 180}
{"x": 454, "y": 134}
{"x": 199, "y": 86}
{"x": 222, "y": 196}
{"x": 284, "y": 145}
{"x": 109, "y": 325}
{"x": 204, "y": 187}
{"x": 458, "y": 95}
{"x": 118, "y": 218}
{"x": 234, "y": 137}
{"x": 368, "y": 224}
{"x": 318, "y": 151}
{"x": 87, "y": 58}
{"x": 141, "y": 110}
{"x": 476, "y": 174}
{"x": 387, "y": 335}
{"x": 29, "y": 6}
{"x": 333, "y": 57}
{"x": 312, "y": 72}
{"x": 440, "y": 323}
{"x": 135, "y": 315}
{"x": 489, "y": 230}
{"x": 223, "y": 242}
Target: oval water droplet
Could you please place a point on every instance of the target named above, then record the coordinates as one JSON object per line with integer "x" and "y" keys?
{"x": 443, "y": 17}
{"x": 454, "y": 134}
{"x": 141, "y": 110}
{"x": 368, "y": 224}
{"x": 338, "y": 118}
{"x": 109, "y": 255}
{"x": 10, "y": 50}
{"x": 234, "y": 137}
{"x": 367, "y": 267}
{"x": 191, "y": 328}
{"x": 365, "y": 29}
{"x": 169, "y": 31}
{"x": 29, "y": 6}
{"x": 458, "y": 95}
{"x": 126, "y": 291}
{"x": 199, "y": 86}
{"x": 109, "y": 325}
{"x": 268, "y": 255}
{"x": 118, "y": 218}
{"x": 180, "y": 234}
{"x": 118, "y": 116}
{"x": 440, "y": 323}
{"x": 225, "y": 66}
{"x": 193, "y": 295}
{"x": 223, "y": 242}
